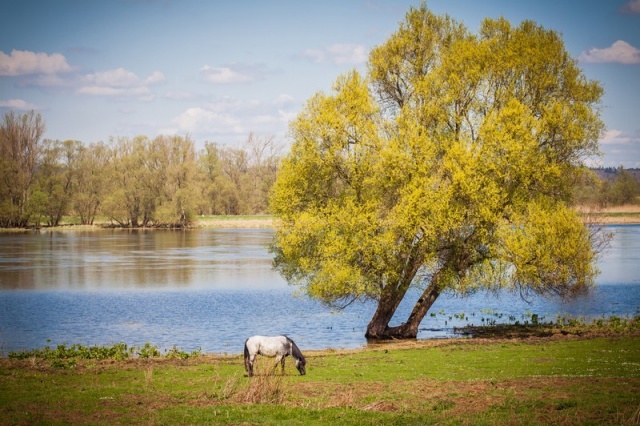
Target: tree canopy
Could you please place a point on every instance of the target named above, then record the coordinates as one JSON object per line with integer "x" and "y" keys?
{"x": 448, "y": 167}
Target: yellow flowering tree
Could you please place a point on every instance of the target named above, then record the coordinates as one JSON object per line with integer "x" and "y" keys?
{"x": 449, "y": 168}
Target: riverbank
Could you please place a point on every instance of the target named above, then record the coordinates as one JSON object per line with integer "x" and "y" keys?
{"x": 620, "y": 215}
{"x": 232, "y": 222}
{"x": 562, "y": 379}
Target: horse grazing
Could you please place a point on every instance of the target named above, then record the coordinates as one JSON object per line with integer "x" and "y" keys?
{"x": 277, "y": 346}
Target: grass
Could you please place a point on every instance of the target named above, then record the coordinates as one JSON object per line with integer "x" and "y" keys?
{"x": 560, "y": 379}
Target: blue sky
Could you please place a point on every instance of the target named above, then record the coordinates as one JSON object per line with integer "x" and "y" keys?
{"x": 218, "y": 70}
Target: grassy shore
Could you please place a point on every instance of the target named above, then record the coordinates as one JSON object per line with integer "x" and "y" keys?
{"x": 628, "y": 214}
{"x": 574, "y": 378}
{"x": 229, "y": 221}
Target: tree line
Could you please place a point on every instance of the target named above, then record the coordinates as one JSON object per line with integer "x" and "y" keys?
{"x": 606, "y": 187}
{"x": 132, "y": 182}
{"x": 165, "y": 181}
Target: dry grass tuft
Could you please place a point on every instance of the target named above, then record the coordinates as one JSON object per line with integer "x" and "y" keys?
{"x": 635, "y": 419}
{"x": 263, "y": 389}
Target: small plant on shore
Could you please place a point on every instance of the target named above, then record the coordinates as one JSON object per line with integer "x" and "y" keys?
{"x": 117, "y": 352}
{"x": 535, "y": 325}
{"x": 148, "y": 351}
{"x": 175, "y": 353}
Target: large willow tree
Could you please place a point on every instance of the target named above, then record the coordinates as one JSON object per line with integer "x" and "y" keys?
{"x": 449, "y": 168}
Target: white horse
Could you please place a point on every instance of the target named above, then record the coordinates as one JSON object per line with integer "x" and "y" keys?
{"x": 278, "y": 346}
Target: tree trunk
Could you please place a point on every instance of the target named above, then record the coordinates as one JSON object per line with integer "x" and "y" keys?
{"x": 391, "y": 297}
{"x": 409, "y": 330}
{"x": 379, "y": 328}
{"x": 389, "y": 302}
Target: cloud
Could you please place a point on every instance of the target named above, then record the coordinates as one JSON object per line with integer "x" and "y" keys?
{"x": 198, "y": 120}
{"x": 619, "y": 148}
{"x": 119, "y": 82}
{"x": 619, "y": 52}
{"x": 120, "y": 77}
{"x": 228, "y": 120}
{"x": 342, "y": 54}
{"x": 18, "y": 104}
{"x": 618, "y": 137}
{"x": 234, "y": 73}
{"x": 632, "y": 7}
{"x": 21, "y": 62}
{"x": 283, "y": 99}
{"x": 339, "y": 54}
{"x": 155, "y": 78}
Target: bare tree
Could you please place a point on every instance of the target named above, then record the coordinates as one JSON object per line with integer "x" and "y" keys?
{"x": 20, "y": 147}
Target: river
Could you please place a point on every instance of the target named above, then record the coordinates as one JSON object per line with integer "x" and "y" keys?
{"x": 210, "y": 289}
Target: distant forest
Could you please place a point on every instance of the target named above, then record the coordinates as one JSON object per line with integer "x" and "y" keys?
{"x": 166, "y": 182}
{"x": 607, "y": 187}
{"x": 131, "y": 182}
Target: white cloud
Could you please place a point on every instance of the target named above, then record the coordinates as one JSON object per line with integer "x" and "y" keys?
{"x": 228, "y": 120}
{"x": 18, "y": 104}
{"x": 155, "y": 78}
{"x": 632, "y": 7}
{"x": 619, "y": 149}
{"x": 339, "y": 54}
{"x": 234, "y": 73}
{"x": 119, "y": 82}
{"x": 121, "y": 77}
{"x": 223, "y": 75}
{"x": 198, "y": 120}
{"x": 140, "y": 91}
{"x": 342, "y": 54}
{"x": 21, "y": 62}
{"x": 617, "y": 137}
{"x": 619, "y": 52}
{"x": 113, "y": 78}
{"x": 283, "y": 99}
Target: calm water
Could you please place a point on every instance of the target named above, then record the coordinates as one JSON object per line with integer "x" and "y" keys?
{"x": 211, "y": 289}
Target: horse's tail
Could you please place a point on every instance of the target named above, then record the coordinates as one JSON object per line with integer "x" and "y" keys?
{"x": 247, "y": 357}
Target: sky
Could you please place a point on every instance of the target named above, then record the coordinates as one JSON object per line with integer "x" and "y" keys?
{"x": 220, "y": 70}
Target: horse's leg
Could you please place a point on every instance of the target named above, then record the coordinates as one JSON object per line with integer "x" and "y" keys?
{"x": 247, "y": 364}
{"x": 282, "y": 363}
{"x": 252, "y": 360}
{"x": 279, "y": 359}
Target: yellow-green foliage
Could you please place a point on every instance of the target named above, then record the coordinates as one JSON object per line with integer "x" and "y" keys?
{"x": 454, "y": 158}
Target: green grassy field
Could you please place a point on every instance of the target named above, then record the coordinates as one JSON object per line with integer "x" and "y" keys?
{"x": 552, "y": 380}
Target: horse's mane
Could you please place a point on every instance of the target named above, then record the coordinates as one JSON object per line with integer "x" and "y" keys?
{"x": 295, "y": 350}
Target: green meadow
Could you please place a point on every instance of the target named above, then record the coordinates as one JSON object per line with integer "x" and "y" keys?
{"x": 558, "y": 379}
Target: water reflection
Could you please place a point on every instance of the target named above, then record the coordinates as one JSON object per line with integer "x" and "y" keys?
{"x": 137, "y": 259}
{"x": 620, "y": 264}
{"x": 211, "y": 289}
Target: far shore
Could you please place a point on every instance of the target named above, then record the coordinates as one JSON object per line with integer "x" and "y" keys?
{"x": 620, "y": 215}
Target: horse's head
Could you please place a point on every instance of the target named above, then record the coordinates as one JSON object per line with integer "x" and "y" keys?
{"x": 300, "y": 365}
